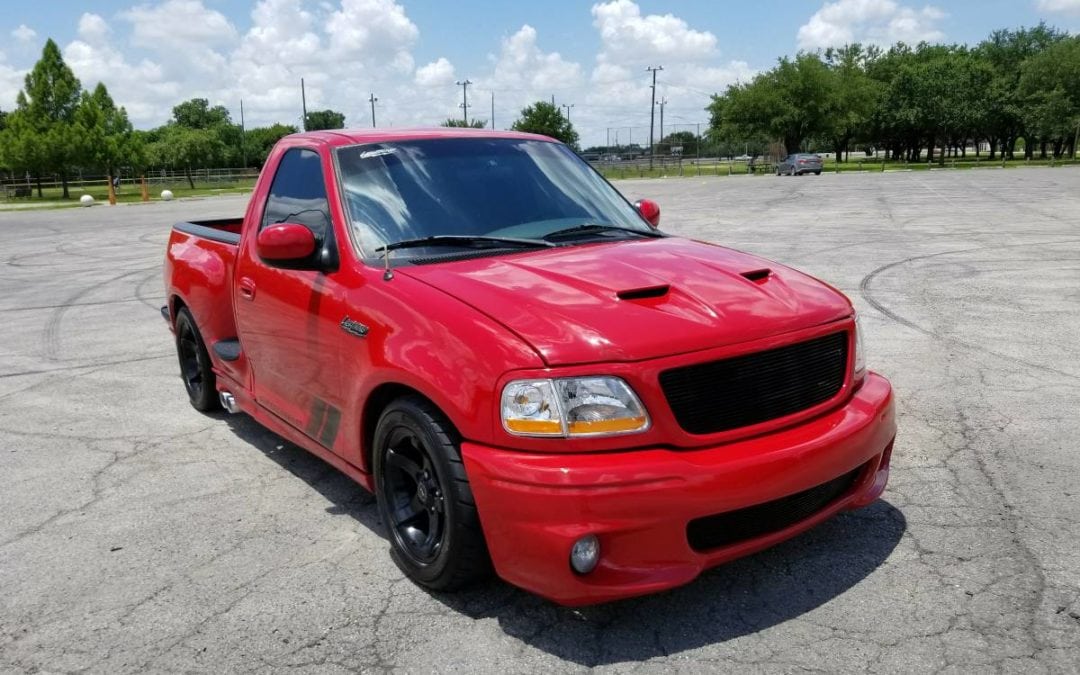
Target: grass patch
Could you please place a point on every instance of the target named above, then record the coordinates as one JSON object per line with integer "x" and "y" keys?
{"x": 688, "y": 168}
{"x": 128, "y": 193}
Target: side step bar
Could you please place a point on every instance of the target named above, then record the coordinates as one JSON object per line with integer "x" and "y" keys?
{"x": 227, "y": 350}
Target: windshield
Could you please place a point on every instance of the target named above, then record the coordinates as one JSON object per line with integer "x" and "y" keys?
{"x": 488, "y": 187}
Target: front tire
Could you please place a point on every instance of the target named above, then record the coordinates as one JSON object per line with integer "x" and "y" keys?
{"x": 424, "y": 498}
{"x": 195, "y": 367}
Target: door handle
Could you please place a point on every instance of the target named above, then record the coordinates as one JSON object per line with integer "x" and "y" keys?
{"x": 247, "y": 289}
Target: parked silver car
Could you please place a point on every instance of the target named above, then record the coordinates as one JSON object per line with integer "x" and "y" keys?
{"x": 803, "y": 162}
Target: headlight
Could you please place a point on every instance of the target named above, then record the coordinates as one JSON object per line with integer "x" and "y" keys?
{"x": 860, "y": 354}
{"x": 572, "y": 406}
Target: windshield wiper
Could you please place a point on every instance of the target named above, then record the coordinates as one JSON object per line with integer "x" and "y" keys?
{"x": 465, "y": 241}
{"x": 597, "y": 228}
{"x": 460, "y": 241}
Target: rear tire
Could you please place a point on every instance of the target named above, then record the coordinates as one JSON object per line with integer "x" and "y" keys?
{"x": 195, "y": 366}
{"x": 424, "y": 498}
{"x": 817, "y": 173}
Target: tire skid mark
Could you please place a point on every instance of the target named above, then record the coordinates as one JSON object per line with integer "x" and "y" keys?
{"x": 141, "y": 296}
{"x": 51, "y": 334}
{"x": 867, "y": 294}
{"x": 31, "y": 308}
{"x": 99, "y": 364}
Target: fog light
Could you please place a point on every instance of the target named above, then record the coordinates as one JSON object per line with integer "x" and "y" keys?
{"x": 585, "y": 554}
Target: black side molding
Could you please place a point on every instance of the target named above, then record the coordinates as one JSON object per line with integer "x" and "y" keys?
{"x": 211, "y": 233}
{"x": 227, "y": 350}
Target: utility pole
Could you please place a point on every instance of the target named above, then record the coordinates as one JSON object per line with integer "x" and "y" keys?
{"x": 652, "y": 111}
{"x": 464, "y": 84}
{"x": 372, "y": 100}
{"x": 303, "y": 102}
{"x": 662, "y": 102}
{"x": 567, "y": 106}
{"x": 243, "y": 136}
{"x": 492, "y": 125}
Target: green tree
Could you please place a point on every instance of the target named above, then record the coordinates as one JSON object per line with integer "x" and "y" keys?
{"x": 1006, "y": 51}
{"x": 40, "y": 131}
{"x": 104, "y": 136}
{"x": 324, "y": 119}
{"x": 789, "y": 102}
{"x": 545, "y": 119}
{"x": 259, "y": 141}
{"x": 182, "y": 147}
{"x": 462, "y": 124}
{"x": 197, "y": 114}
{"x": 687, "y": 140}
{"x": 1049, "y": 87}
{"x": 851, "y": 96}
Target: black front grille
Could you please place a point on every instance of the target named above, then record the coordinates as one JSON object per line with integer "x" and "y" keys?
{"x": 737, "y": 392}
{"x": 732, "y": 527}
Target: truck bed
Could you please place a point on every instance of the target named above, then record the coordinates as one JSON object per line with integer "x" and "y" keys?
{"x": 225, "y": 230}
{"x": 198, "y": 272}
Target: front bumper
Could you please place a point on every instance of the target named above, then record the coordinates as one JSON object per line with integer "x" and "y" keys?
{"x": 639, "y": 503}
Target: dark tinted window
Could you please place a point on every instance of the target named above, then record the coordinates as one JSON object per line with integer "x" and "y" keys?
{"x": 298, "y": 193}
{"x": 473, "y": 186}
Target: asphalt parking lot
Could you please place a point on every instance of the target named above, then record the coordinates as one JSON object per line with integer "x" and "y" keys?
{"x": 139, "y": 535}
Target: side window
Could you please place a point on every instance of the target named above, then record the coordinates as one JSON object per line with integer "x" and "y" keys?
{"x": 298, "y": 193}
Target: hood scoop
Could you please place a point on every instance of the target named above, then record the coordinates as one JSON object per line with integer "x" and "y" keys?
{"x": 757, "y": 276}
{"x": 644, "y": 293}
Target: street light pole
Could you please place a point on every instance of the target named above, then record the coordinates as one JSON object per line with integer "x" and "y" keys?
{"x": 652, "y": 111}
{"x": 372, "y": 99}
{"x": 567, "y": 106}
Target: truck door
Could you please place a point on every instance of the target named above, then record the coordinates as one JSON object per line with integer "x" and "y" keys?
{"x": 286, "y": 317}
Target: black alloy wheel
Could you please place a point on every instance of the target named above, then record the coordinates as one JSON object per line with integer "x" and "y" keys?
{"x": 195, "y": 366}
{"x": 424, "y": 497}
{"x": 417, "y": 502}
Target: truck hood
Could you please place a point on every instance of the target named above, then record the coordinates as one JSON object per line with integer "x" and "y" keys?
{"x": 634, "y": 300}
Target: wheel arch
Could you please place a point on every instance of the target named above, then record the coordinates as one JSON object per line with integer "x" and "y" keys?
{"x": 377, "y": 401}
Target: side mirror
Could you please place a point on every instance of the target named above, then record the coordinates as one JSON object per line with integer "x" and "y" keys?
{"x": 285, "y": 242}
{"x": 649, "y": 210}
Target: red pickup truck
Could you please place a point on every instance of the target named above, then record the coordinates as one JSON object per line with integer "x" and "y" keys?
{"x": 529, "y": 375}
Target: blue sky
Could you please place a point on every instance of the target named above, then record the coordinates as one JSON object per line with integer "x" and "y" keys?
{"x": 154, "y": 53}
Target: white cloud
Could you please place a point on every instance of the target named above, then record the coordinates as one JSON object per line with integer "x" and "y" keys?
{"x": 436, "y": 73}
{"x": 24, "y": 33}
{"x": 162, "y": 52}
{"x": 1059, "y": 6}
{"x": 142, "y": 88}
{"x": 620, "y": 93}
{"x": 870, "y": 21}
{"x": 178, "y": 24}
{"x": 628, "y": 37}
{"x": 11, "y": 81}
{"x": 372, "y": 31}
{"x": 522, "y": 65}
{"x": 92, "y": 28}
